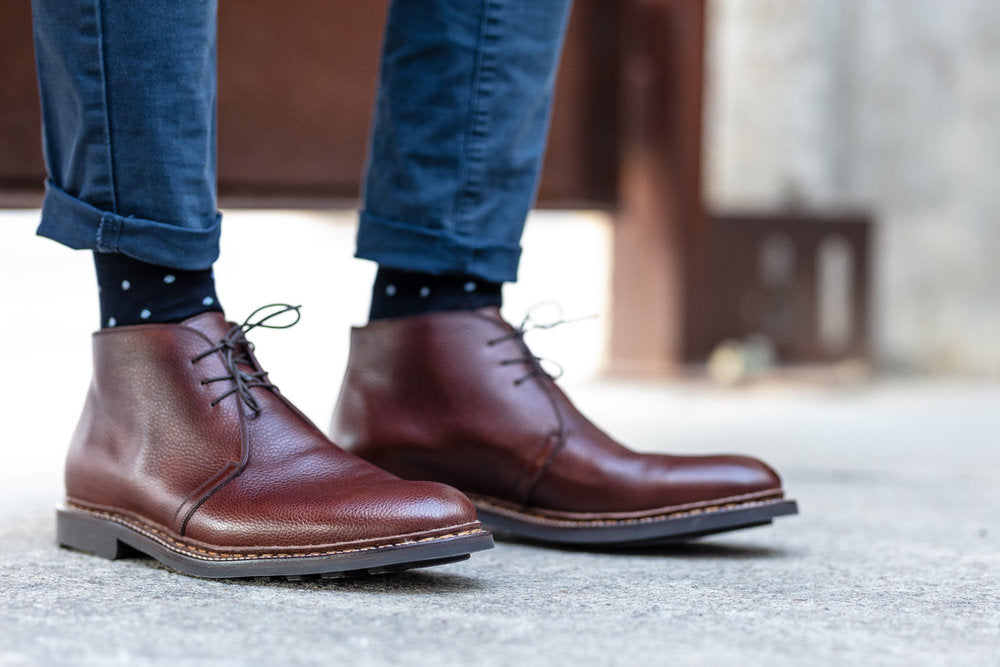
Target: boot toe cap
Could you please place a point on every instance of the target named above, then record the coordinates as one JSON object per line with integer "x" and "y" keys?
{"x": 399, "y": 508}
{"x": 432, "y": 505}
{"x": 707, "y": 478}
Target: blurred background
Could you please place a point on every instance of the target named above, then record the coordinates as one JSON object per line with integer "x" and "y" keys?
{"x": 779, "y": 182}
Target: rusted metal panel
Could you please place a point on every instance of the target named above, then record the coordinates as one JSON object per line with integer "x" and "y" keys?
{"x": 296, "y": 83}
{"x": 659, "y": 238}
{"x": 799, "y": 281}
{"x": 21, "y": 164}
{"x": 296, "y": 87}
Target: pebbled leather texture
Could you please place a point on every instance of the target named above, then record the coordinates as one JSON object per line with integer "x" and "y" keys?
{"x": 458, "y": 398}
{"x": 151, "y": 447}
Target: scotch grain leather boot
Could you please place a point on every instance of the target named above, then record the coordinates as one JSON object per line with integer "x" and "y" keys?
{"x": 458, "y": 398}
{"x": 187, "y": 453}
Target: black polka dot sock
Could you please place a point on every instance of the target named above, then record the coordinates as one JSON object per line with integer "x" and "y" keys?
{"x": 133, "y": 292}
{"x": 401, "y": 293}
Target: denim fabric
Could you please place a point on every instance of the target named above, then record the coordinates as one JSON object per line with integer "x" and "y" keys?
{"x": 460, "y": 125}
{"x": 128, "y": 103}
{"x": 128, "y": 110}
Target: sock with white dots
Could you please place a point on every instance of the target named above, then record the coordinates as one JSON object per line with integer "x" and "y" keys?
{"x": 134, "y": 292}
{"x": 401, "y": 293}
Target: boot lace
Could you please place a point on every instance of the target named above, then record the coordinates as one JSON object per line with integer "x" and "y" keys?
{"x": 237, "y": 350}
{"x": 535, "y": 363}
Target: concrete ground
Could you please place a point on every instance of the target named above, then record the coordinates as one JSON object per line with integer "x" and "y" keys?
{"x": 895, "y": 558}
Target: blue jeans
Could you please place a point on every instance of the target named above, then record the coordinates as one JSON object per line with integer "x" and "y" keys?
{"x": 128, "y": 92}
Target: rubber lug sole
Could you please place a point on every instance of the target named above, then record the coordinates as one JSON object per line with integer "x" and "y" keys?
{"x": 632, "y": 532}
{"x": 112, "y": 540}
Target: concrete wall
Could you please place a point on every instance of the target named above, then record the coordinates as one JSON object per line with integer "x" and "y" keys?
{"x": 889, "y": 106}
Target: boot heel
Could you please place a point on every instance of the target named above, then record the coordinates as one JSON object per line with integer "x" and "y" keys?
{"x": 90, "y": 534}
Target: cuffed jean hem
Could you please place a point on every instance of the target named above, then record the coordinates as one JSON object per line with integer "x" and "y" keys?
{"x": 77, "y": 224}
{"x": 397, "y": 245}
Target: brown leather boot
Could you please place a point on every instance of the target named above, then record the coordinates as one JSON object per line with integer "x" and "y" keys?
{"x": 458, "y": 398}
{"x": 187, "y": 453}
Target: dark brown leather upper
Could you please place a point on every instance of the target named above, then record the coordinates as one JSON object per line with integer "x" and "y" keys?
{"x": 150, "y": 445}
{"x": 457, "y": 398}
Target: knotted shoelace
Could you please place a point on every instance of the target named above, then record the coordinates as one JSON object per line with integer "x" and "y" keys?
{"x": 236, "y": 349}
{"x": 537, "y": 364}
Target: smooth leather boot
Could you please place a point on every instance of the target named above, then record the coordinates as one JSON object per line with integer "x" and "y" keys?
{"x": 458, "y": 398}
{"x": 187, "y": 453}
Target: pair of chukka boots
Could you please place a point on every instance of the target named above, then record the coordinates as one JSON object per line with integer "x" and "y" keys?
{"x": 186, "y": 452}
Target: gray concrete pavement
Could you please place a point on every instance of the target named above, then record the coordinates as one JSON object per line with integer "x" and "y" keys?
{"x": 895, "y": 558}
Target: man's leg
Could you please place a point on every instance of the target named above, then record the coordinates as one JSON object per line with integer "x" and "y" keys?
{"x": 129, "y": 132}
{"x": 443, "y": 388}
{"x": 460, "y": 125}
{"x": 185, "y": 450}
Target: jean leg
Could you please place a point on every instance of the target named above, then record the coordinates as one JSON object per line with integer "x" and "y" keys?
{"x": 461, "y": 119}
{"x": 128, "y": 109}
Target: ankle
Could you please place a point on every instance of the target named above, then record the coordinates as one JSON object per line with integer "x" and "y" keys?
{"x": 134, "y": 292}
{"x": 397, "y": 293}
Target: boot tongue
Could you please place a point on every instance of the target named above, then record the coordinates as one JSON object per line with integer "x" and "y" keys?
{"x": 212, "y": 324}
